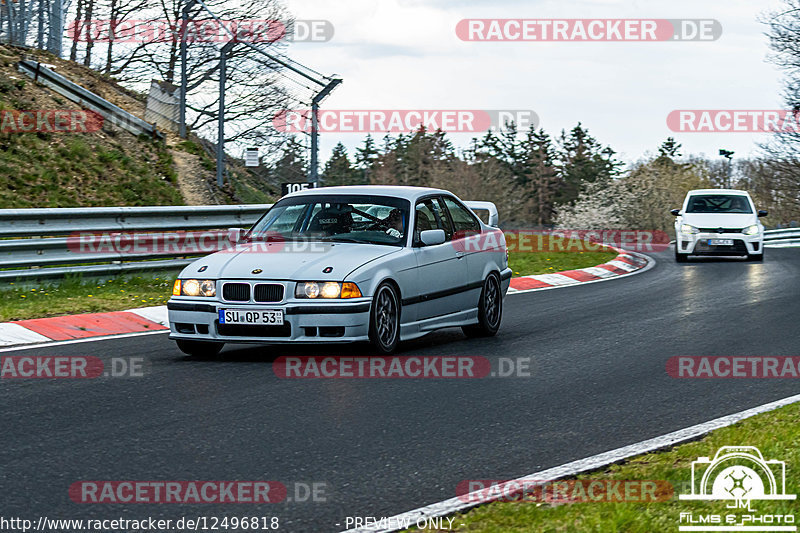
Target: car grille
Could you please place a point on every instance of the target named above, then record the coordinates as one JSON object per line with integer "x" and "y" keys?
{"x": 236, "y": 292}
{"x": 720, "y": 230}
{"x": 247, "y": 330}
{"x": 264, "y": 292}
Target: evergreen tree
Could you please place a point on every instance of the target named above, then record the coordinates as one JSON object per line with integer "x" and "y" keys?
{"x": 338, "y": 170}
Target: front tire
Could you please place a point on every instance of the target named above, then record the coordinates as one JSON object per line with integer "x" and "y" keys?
{"x": 200, "y": 349}
{"x": 490, "y": 309}
{"x": 384, "y": 319}
{"x": 755, "y": 257}
{"x": 681, "y": 258}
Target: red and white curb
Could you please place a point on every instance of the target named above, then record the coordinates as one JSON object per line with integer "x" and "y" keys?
{"x": 83, "y": 326}
{"x": 625, "y": 263}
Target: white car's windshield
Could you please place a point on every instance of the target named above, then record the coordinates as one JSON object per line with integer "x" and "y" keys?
{"x": 341, "y": 218}
{"x": 718, "y": 203}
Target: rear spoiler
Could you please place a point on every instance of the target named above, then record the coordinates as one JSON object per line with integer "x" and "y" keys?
{"x": 488, "y": 207}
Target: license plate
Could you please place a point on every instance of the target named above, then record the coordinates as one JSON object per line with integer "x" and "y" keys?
{"x": 720, "y": 242}
{"x": 260, "y": 317}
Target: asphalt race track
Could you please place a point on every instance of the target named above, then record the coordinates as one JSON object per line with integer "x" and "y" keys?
{"x": 385, "y": 446}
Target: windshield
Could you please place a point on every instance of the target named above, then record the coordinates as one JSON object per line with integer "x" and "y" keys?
{"x": 341, "y": 218}
{"x": 718, "y": 203}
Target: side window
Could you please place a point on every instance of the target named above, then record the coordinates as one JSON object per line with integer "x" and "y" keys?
{"x": 425, "y": 218}
{"x": 463, "y": 221}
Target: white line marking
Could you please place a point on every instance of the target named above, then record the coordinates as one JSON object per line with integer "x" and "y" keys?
{"x": 86, "y": 339}
{"x": 594, "y": 462}
{"x": 11, "y": 334}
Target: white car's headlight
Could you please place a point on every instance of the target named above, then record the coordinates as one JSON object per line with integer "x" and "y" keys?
{"x": 750, "y": 230}
{"x": 326, "y": 289}
{"x": 193, "y": 287}
{"x": 687, "y": 229}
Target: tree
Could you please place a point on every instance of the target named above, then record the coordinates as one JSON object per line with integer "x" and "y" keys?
{"x": 582, "y": 160}
{"x": 338, "y": 170}
{"x": 782, "y": 149}
{"x": 290, "y": 166}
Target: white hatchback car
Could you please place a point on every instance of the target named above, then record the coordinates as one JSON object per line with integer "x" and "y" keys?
{"x": 721, "y": 222}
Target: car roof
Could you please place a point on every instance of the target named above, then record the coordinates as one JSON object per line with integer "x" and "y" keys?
{"x": 718, "y": 191}
{"x": 397, "y": 191}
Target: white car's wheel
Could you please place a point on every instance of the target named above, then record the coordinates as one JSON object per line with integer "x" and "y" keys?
{"x": 490, "y": 309}
{"x": 384, "y": 319}
{"x": 681, "y": 258}
{"x": 199, "y": 348}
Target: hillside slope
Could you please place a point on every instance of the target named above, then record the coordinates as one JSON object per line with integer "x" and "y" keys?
{"x": 108, "y": 167}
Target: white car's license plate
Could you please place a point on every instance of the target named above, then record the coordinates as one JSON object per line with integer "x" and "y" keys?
{"x": 260, "y": 317}
{"x": 720, "y": 242}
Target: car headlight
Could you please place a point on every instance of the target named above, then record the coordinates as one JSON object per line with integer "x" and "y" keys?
{"x": 687, "y": 229}
{"x": 750, "y": 230}
{"x": 326, "y": 289}
{"x": 193, "y": 287}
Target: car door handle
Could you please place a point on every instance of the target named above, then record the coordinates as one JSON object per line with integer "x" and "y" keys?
{"x": 459, "y": 254}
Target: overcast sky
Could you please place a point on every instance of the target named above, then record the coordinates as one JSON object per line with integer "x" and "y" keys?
{"x": 405, "y": 54}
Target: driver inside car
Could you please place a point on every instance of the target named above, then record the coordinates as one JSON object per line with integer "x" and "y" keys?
{"x": 394, "y": 223}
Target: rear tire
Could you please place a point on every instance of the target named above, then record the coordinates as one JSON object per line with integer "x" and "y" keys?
{"x": 199, "y": 349}
{"x": 490, "y": 310}
{"x": 384, "y": 319}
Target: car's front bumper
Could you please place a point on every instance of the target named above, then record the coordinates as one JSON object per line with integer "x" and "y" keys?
{"x": 698, "y": 244}
{"x": 318, "y": 321}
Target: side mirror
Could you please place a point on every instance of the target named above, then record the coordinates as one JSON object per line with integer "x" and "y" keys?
{"x": 675, "y": 212}
{"x": 235, "y": 235}
{"x": 762, "y": 213}
{"x": 431, "y": 237}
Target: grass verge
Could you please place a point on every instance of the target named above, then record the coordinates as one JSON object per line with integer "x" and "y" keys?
{"x": 775, "y": 434}
{"x": 75, "y": 295}
{"x": 531, "y": 263}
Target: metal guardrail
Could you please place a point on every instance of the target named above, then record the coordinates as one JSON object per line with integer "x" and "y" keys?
{"x": 87, "y": 99}
{"x": 37, "y": 244}
{"x": 46, "y": 243}
{"x": 782, "y": 238}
